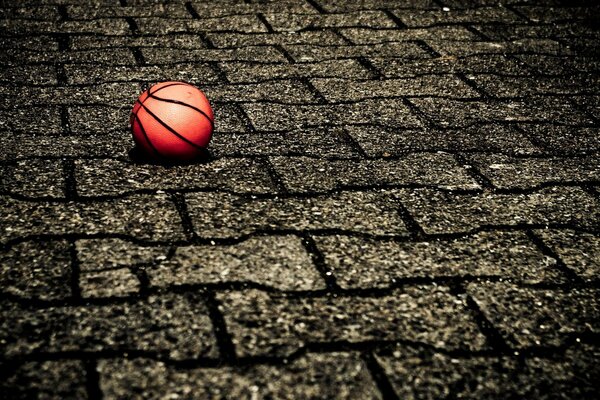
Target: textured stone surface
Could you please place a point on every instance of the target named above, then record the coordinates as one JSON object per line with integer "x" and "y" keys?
{"x": 331, "y": 376}
{"x": 342, "y": 90}
{"x": 537, "y": 317}
{"x": 109, "y": 283}
{"x": 507, "y": 172}
{"x": 249, "y": 72}
{"x": 280, "y": 262}
{"x": 454, "y": 113}
{"x": 427, "y": 314}
{"x": 223, "y": 215}
{"x": 270, "y": 117}
{"x": 148, "y": 217}
{"x": 424, "y": 375}
{"x": 377, "y": 141}
{"x": 45, "y": 380}
{"x": 400, "y": 200}
{"x": 177, "y": 326}
{"x": 39, "y": 270}
{"x": 110, "y": 177}
{"x": 440, "y": 212}
{"x": 33, "y": 178}
{"x": 358, "y": 262}
{"x": 303, "y": 174}
{"x": 579, "y": 251}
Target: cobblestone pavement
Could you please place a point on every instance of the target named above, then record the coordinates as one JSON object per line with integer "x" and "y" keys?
{"x": 402, "y": 201}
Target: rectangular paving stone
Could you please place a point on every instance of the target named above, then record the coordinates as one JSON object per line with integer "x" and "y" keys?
{"x": 560, "y": 65}
{"x": 456, "y": 113}
{"x": 173, "y": 325}
{"x": 168, "y": 10}
{"x": 110, "y": 283}
{"x": 579, "y": 251}
{"x": 296, "y": 22}
{"x": 279, "y": 262}
{"x": 331, "y": 375}
{"x": 58, "y": 379}
{"x": 114, "y": 94}
{"x": 441, "y": 212}
{"x": 284, "y": 91}
{"x": 29, "y": 75}
{"x": 537, "y": 317}
{"x": 109, "y": 145}
{"x": 223, "y": 215}
{"x": 360, "y": 263}
{"x": 557, "y": 14}
{"x": 351, "y": 90}
{"x": 385, "y": 142}
{"x": 423, "y": 374}
{"x": 49, "y": 13}
{"x": 142, "y": 216}
{"x": 263, "y": 323}
{"x": 459, "y": 48}
{"x": 237, "y": 23}
{"x": 372, "y": 36}
{"x": 200, "y": 74}
{"x": 344, "y": 6}
{"x": 107, "y": 26}
{"x": 27, "y": 120}
{"x": 97, "y": 255}
{"x": 303, "y": 174}
{"x": 321, "y": 37}
{"x": 86, "y": 120}
{"x": 33, "y": 178}
{"x": 324, "y": 142}
{"x": 112, "y": 177}
{"x": 565, "y": 139}
{"x": 161, "y": 56}
{"x": 492, "y": 64}
{"x": 421, "y": 18}
{"x": 116, "y": 56}
{"x": 312, "y": 53}
{"x": 232, "y": 7}
{"x": 590, "y": 103}
{"x": 277, "y": 117}
{"x": 251, "y": 72}
{"x": 179, "y": 41}
{"x": 229, "y": 118}
{"x": 35, "y": 43}
{"x": 37, "y": 270}
{"x": 529, "y": 86}
{"x": 508, "y": 172}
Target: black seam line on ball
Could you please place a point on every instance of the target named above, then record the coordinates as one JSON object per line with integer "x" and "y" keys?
{"x": 181, "y": 103}
{"x": 157, "y": 90}
{"x": 173, "y": 131}
{"x": 137, "y": 119}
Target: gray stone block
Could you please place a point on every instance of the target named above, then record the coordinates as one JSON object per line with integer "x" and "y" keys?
{"x": 270, "y": 324}
{"x": 359, "y": 263}
{"x": 441, "y": 212}
{"x": 175, "y": 326}
{"x": 330, "y": 375}
{"x": 537, "y": 317}
{"x": 37, "y": 270}
{"x": 280, "y": 262}
{"x": 223, "y": 215}
{"x": 302, "y": 174}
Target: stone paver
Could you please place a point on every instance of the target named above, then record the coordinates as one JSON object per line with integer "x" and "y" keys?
{"x": 537, "y": 317}
{"x": 358, "y": 262}
{"x": 427, "y": 314}
{"x": 332, "y": 376}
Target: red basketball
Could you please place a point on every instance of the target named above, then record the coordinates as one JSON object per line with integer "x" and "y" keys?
{"x": 172, "y": 120}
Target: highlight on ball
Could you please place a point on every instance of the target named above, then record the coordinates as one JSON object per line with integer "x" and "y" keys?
{"x": 172, "y": 121}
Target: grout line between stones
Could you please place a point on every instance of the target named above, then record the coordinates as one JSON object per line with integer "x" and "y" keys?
{"x": 379, "y": 376}
{"x": 224, "y": 340}
{"x": 92, "y": 380}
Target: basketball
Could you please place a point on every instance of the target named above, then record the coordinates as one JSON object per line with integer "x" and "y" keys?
{"x": 172, "y": 121}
